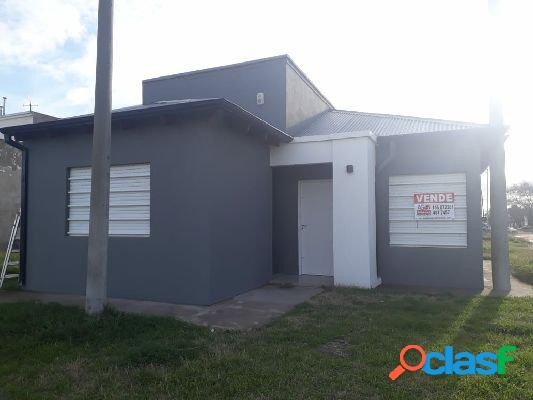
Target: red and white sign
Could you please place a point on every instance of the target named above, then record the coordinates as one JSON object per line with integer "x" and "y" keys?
{"x": 434, "y": 205}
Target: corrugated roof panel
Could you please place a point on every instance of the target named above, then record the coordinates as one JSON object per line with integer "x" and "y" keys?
{"x": 336, "y": 121}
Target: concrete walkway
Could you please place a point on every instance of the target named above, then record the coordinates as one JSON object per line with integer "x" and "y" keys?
{"x": 248, "y": 310}
{"x": 286, "y": 280}
{"x": 518, "y": 288}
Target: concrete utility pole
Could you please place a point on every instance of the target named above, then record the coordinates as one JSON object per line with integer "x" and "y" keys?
{"x": 499, "y": 250}
{"x": 501, "y": 276}
{"x": 96, "y": 290}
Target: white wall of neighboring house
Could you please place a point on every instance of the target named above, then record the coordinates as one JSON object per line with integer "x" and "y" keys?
{"x": 22, "y": 118}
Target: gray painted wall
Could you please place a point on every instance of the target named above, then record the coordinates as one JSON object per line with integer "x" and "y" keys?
{"x": 285, "y": 212}
{"x": 181, "y": 261}
{"x": 240, "y": 214}
{"x": 239, "y": 84}
{"x": 302, "y": 100}
{"x": 289, "y": 98}
{"x": 436, "y": 267}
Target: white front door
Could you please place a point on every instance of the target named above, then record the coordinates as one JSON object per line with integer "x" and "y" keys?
{"x": 315, "y": 227}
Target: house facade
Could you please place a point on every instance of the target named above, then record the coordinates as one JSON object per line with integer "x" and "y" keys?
{"x": 225, "y": 177}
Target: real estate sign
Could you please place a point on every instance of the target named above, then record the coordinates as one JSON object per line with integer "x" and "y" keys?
{"x": 434, "y": 205}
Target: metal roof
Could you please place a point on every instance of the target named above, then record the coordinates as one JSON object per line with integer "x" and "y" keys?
{"x": 145, "y": 110}
{"x": 337, "y": 121}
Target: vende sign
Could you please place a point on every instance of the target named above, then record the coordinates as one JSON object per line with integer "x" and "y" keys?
{"x": 434, "y": 205}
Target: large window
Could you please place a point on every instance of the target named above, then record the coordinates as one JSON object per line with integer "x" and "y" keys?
{"x": 129, "y": 200}
{"x": 428, "y": 210}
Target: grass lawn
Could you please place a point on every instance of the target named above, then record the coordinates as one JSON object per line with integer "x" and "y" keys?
{"x": 340, "y": 345}
{"x": 520, "y": 257}
{"x": 10, "y": 284}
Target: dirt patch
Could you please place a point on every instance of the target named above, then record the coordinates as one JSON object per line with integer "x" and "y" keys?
{"x": 287, "y": 285}
{"x": 525, "y": 236}
{"x": 298, "y": 321}
{"x": 332, "y": 298}
{"x": 369, "y": 300}
{"x": 336, "y": 348}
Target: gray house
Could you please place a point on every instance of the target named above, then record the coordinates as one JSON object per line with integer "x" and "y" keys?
{"x": 227, "y": 176}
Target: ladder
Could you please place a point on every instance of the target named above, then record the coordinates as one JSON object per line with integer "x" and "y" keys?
{"x": 7, "y": 263}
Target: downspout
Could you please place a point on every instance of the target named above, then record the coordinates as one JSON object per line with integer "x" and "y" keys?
{"x": 23, "y": 205}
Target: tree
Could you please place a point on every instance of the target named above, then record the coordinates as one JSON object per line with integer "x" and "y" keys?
{"x": 9, "y": 156}
{"x": 520, "y": 202}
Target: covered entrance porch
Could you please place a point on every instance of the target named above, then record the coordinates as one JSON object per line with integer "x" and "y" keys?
{"x": 324, "y": 210}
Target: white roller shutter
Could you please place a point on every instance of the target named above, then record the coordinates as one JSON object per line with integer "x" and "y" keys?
{"x": 129, "y": 200}
{"x": 405, "y": 230}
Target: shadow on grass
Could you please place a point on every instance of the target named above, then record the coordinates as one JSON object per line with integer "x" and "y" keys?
{"x": 341, "y": 344}
{"x": 145, "y": 338}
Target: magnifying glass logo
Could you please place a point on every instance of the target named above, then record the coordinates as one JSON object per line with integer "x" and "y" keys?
{"x": 400, "y": 369}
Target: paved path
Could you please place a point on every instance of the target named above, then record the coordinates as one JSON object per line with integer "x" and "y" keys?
{"x": 524, "y": 235}
{"x": 518, "y": 288}
{"x": 245, "y": 311}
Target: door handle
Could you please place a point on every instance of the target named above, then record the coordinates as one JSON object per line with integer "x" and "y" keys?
{"x": 302, "y": 227}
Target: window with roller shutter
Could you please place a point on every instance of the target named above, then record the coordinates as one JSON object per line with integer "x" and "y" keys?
{"x": 406, "y": 230}
{"x": 129, "y": 200}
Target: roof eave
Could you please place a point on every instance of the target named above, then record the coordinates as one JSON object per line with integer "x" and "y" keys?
{"x": 481, "y": 130}
{"x": 22, "y": 131}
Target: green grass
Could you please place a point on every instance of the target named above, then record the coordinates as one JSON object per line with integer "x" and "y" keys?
{"x": 486, "y": 246}
{"x": 520, "y": 257}
{"x": 14, "y": 256}
{"x": 10, "y": 284}
{"x": 340, "y": 345}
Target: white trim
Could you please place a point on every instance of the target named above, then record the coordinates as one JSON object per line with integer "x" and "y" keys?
{"x": 315, "y": 149}
{"x": 334, "y": 136}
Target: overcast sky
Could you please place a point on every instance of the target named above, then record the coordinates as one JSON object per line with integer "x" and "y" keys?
{"x": 424, "y": 58}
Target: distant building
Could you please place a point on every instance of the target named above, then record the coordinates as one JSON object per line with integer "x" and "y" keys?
{"x": 23, "y": 118}
{"x": 10, "y": 170}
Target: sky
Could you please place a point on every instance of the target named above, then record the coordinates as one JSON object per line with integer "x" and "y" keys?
{"x": 427, "y": 58}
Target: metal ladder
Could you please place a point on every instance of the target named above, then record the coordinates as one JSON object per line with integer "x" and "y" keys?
{"x": 7, "y": 263}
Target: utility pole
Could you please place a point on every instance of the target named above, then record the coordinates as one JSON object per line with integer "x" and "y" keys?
{"x": 96, "y": 290}
{"x": 501, "y": 276}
